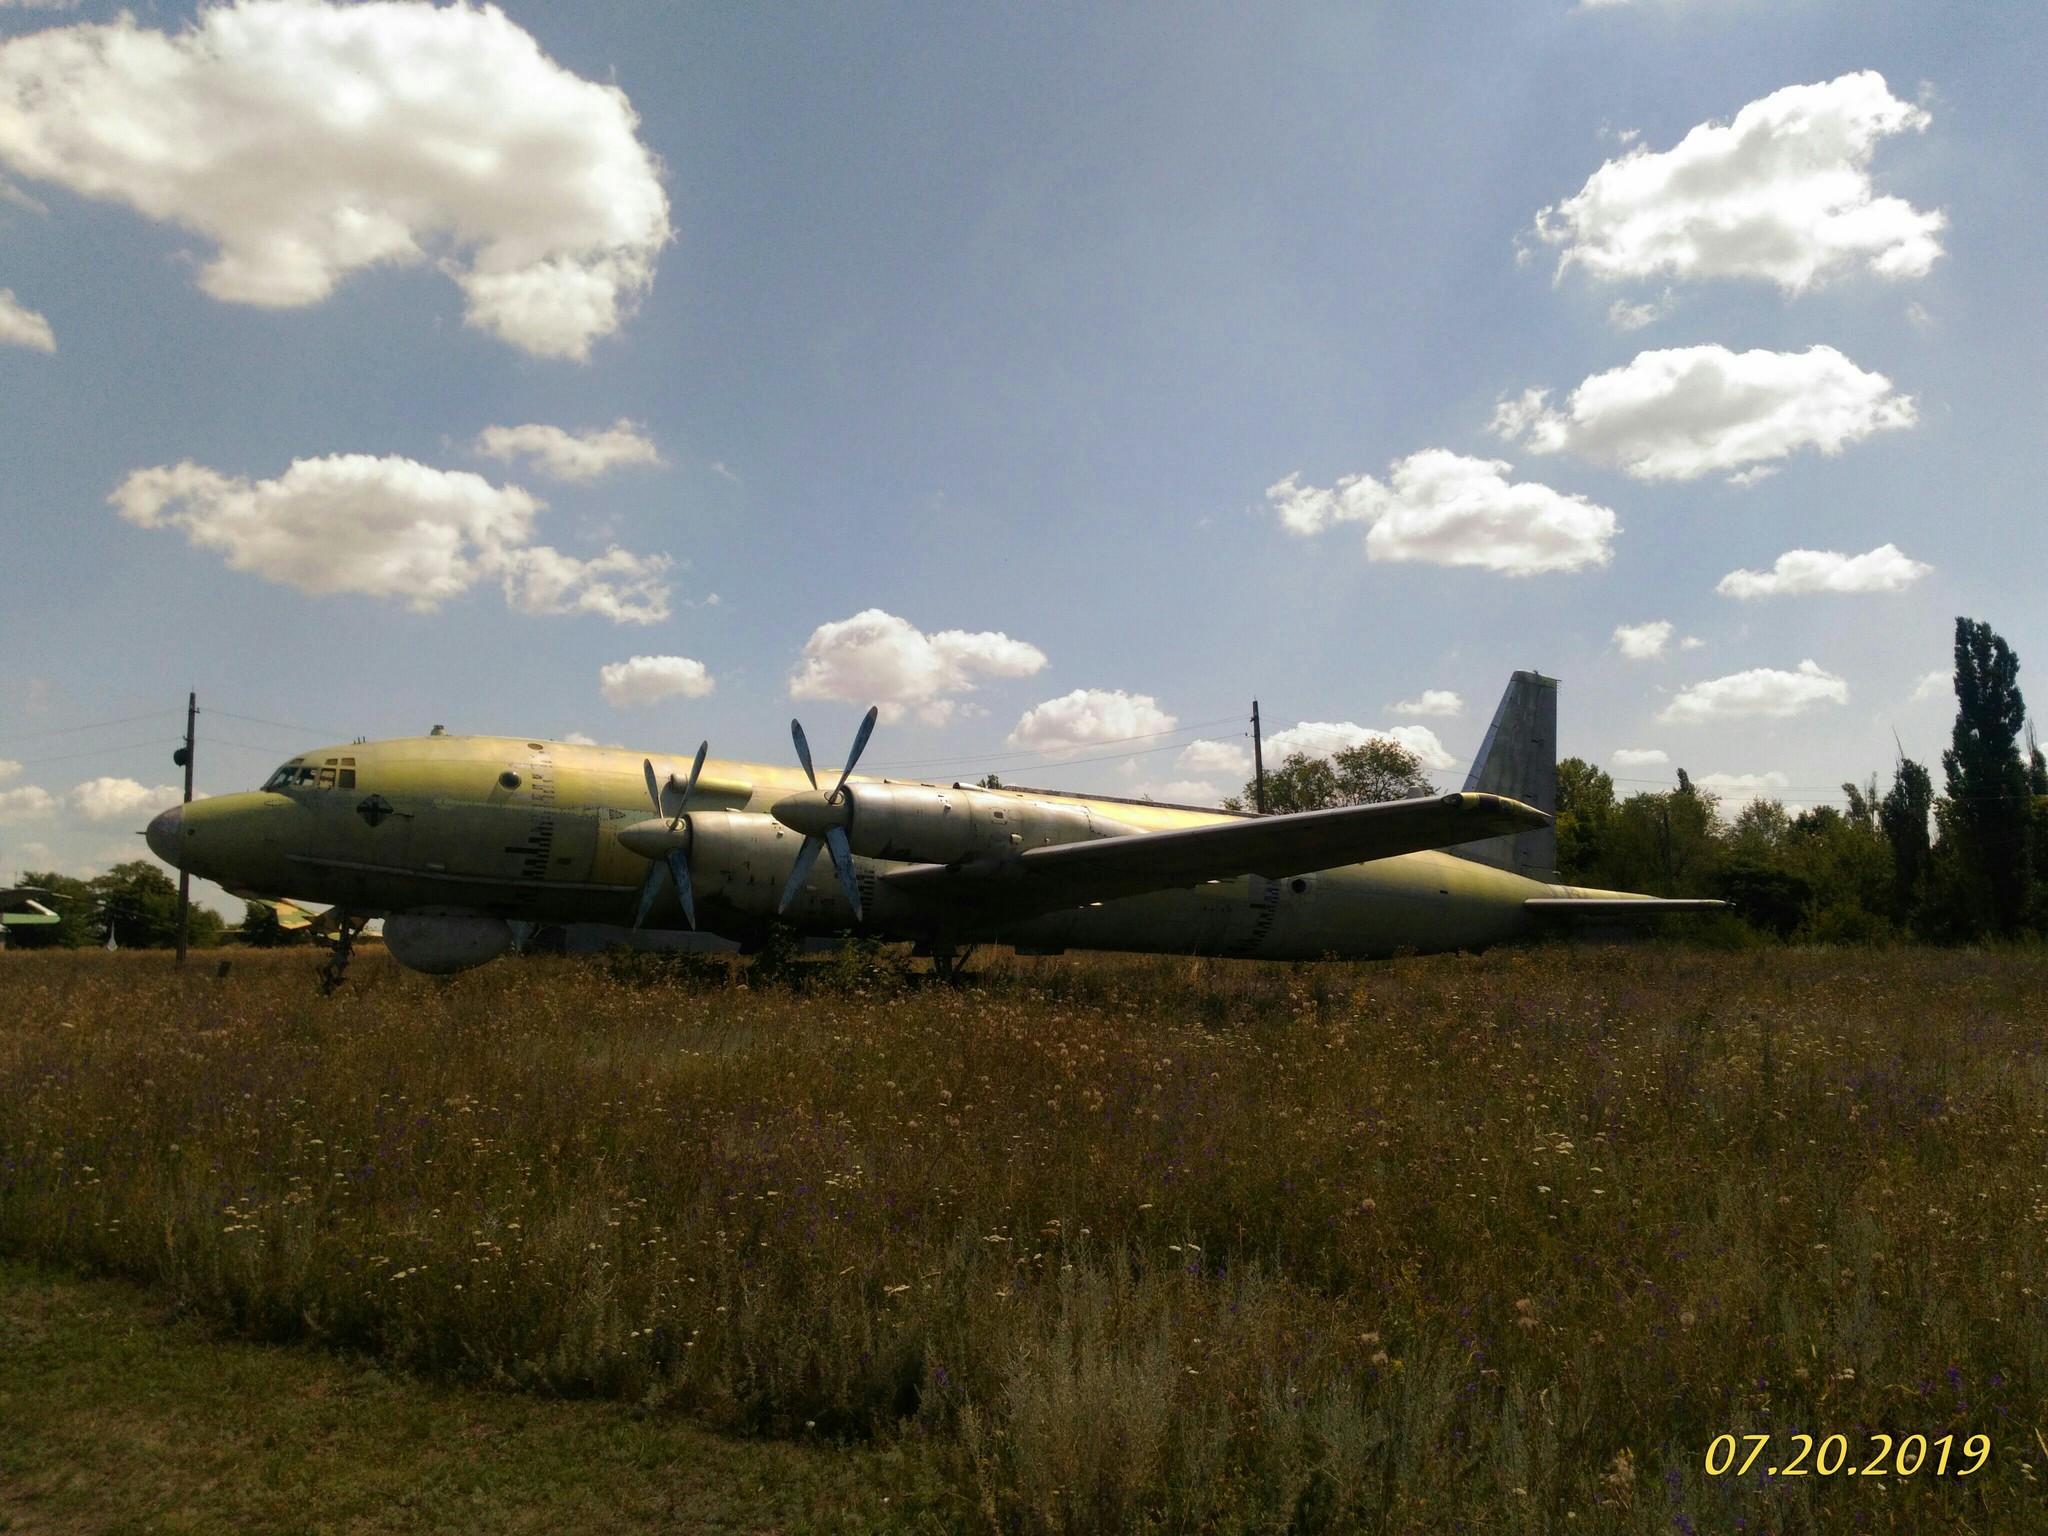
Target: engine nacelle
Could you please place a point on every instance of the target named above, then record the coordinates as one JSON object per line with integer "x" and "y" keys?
{"x": 916, "y": 824}
{"x": 744, "y": 861}
{"x": 441, "y": 946}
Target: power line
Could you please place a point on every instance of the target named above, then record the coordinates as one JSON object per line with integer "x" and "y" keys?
{"x": 97, "y": 725}
{"x": 283, "y": 725}
{"x": 65, "y": 757}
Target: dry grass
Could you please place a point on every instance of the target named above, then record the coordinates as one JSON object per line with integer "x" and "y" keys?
{"x": 1494, "y": 1244}
{"x": 119, "y": 1416}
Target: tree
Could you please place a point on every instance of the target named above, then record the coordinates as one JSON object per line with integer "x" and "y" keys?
{"x": 1847, "y": 866}
{"x": 989, "y": 781}
{"x": 1988, "y": 804}
{"x": 262, "y": 930}
{"x": 1585, "y": 817}
{"x": 138, "y": 904}
{"x": 1903, "y": 817}
{"x": 1667, "y": 844}
{"x": 1367, "y": 774}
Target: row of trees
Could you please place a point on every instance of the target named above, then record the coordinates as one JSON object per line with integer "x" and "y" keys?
{"x": 1970, "y": 863}
{"x": 134, "y": 902}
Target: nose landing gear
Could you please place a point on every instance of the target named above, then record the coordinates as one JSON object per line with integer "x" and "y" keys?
{"x": 340, "y": 949}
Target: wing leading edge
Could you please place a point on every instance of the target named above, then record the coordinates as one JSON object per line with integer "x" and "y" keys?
{"x": 1105, "y": 869}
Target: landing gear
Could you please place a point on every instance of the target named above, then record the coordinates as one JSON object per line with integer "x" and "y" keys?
{"x": 341, "y": 950}
{"x": 950, "y": 964}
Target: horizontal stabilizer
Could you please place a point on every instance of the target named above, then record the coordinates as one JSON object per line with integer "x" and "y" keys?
{"x": 1106, "y": 869}
{"x": 1618, "y": 908}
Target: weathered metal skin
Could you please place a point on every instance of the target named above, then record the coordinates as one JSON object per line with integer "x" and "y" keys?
{"x": 920, "y": 824}
{"x": 530, "y": 831}
{"x": 443, "y": 945}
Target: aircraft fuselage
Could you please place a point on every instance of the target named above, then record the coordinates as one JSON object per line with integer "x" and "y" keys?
{"x": 527, "y": 831}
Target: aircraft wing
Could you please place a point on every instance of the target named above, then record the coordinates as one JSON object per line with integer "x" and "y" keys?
{"x": 1105, "y": 869}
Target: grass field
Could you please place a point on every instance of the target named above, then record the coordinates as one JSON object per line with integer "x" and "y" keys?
{"x": 121, "y": 1414}
{"x": 1500, "y": 1243}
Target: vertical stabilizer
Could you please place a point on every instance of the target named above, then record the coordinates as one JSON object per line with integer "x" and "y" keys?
{"x": 1519, "y": 759}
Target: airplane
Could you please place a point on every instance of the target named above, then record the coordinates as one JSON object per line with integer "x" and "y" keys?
{"x": 464, "y": 843}
{"x": 19, "y": 908}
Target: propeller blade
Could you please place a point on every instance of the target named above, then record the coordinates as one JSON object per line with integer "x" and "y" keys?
{"x": 806, "y": 856}
{"x": 803, "y": 751}
{"x": 653, "y": 787}
{"x": 842, "y": 860}
{"x": 649, "y": 892}
{"x": 860, "y": 742}
{"x": 679, "y": 867}
{"x": 690, "y": 788}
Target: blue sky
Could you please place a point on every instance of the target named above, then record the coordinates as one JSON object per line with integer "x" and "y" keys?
{"x": 1000, "y": 333}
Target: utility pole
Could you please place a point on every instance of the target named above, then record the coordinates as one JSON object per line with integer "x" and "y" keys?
{"x": 1258, "y": 763}
{"x": 183, "y": 758}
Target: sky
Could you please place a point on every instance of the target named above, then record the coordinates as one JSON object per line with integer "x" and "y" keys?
{"x": 1059, "y": 379}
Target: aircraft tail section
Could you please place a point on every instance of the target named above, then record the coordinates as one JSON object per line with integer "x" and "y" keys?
{"x": 1519, "y": 759}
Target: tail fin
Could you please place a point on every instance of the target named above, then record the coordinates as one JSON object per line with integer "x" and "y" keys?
{"x": 1519, "y": 759}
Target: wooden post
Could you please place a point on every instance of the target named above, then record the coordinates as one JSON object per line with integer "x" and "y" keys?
{"x": 1258, "y": 763}
{"x": 183, "y": 758}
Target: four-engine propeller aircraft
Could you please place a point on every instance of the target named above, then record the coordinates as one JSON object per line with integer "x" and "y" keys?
{"x": 454, "y": 840}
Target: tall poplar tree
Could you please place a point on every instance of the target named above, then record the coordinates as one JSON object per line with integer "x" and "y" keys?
{"x": 1988, "y": 802}
{"x": 1903, "y": 816}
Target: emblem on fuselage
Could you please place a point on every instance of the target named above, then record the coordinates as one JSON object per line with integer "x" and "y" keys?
{"x": 374, "y": 809}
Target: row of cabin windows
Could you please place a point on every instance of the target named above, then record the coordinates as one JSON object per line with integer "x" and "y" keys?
{"x": 335, "y": 773}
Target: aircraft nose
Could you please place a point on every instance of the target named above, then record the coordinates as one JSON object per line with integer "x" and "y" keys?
{"x": 163, "y": 836}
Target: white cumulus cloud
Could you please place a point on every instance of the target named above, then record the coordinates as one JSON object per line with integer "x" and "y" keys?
{"x": 650, "y": 679}
{"x": 1743, "y": 787}
{"x": 1446, "y": 508}
{"x": 1643, "y": 642}
{"x": 393, "y": 528}
{"x": 1799, "y": 571}
{"x": 1326, "y": 738}
{"x": 1197, "y": 792}
{"x": 1433, "y": 701}
{"x": 1781, "y": 194}
{"x": 21, "y": 326}
{"x": 564, "y": 455}
{"x": 31, "y": 802}
{"x": 307, "y": 140}
{"x": 1624, "y": 316}
{"x": 1230, "y": 758}
{"x": 9, "y": 769}
{"x": 1640, "y": 757}
{"x": 1684, "y": 412}
{"x": 877, "y": 658}
{"x": 1935, "y": 685}
{"x": 1762, "y": 691}
{"x": 1089, "y": 717}
{"x": 111, "y": 799}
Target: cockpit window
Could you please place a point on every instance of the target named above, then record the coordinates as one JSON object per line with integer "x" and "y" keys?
{"x": 293, "y": 775}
